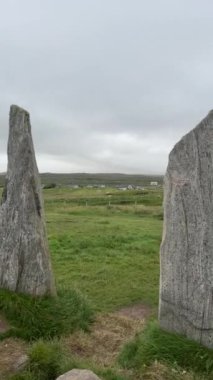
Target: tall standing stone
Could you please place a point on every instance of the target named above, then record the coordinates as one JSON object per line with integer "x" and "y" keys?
{"x": 186, "y": 284}
{"x": 24, "y": 258}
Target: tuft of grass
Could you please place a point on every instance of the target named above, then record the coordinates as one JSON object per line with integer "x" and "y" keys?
{"x": 26, "y": 375}
{"x": 48, "y": 360}
{"x": 35, "y": 317}
{"x": 109, "y": 374}
{"x": 154, "y": 344}
{"x": 45, "y": 360}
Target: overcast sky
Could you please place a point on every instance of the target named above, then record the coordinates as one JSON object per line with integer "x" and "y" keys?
{"x": 111, "y": 85}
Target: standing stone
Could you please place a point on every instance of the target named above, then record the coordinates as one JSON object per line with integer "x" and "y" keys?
{"x": 186, "y": 284}
{"x": 24, "y": 258}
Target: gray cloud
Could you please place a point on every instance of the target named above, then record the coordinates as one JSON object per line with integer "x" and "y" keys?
{"x": 110, "y": 85}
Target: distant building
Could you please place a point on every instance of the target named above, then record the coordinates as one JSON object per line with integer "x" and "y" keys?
{"x": 154, "y": 183}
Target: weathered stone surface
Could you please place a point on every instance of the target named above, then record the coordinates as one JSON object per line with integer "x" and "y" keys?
{"x": 24, "y": 257}
{"x": 186, "y": 284}
{"x": 79, "y": 374}
{"x": 21, "y": 363}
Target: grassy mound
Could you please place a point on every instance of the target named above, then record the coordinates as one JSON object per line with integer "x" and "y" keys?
{"x": 154, "y": 344}
{"x": 32, "y": 318}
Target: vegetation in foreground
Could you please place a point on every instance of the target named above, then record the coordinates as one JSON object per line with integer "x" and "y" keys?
{"x": 48, "y": 360}
{"x": 105, "y": 243}
{"x": 154, "y": 344}
{"x": 32, "y": 318}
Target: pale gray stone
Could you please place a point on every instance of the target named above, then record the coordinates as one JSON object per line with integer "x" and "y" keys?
{"x": 186, "y": 284}
{"x": 24, "y": 258}
{"x": 79, "y": 374}
{"x": 21, "y": 363}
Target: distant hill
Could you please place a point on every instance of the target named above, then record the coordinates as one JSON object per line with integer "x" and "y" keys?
{"x": 85, "y": 179}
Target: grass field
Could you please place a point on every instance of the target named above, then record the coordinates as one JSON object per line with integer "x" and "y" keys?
{"x": 106, "y": 248}
{"x": 105, "y": 244}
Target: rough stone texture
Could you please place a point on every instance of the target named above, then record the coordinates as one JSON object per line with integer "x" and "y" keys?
{"x": 24, "y": 257}
{"x": 79, "y": 374}
{"x": 186, "y": 284}
{"x": 21, "y": 363}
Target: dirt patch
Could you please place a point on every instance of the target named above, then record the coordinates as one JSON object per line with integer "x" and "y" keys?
{"x": 108, "y": 334}
{"x": 11, "y": 352}
{"x": 101, "y": 345}
{"x": 4, "y": 325}
{"x": 136, "y": 312}
{"x": 159, "y": 371}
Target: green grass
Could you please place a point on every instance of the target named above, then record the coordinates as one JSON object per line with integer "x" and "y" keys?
{"x": 154, "y": 344}
{"x": 31, "y": 318}
{"x": 45, "y": 360}
{"x": 109, "y": 253}
{"x": 104, "y": 243}
{"x": 48, "y": 360}
{"x": 106, "y": 197}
